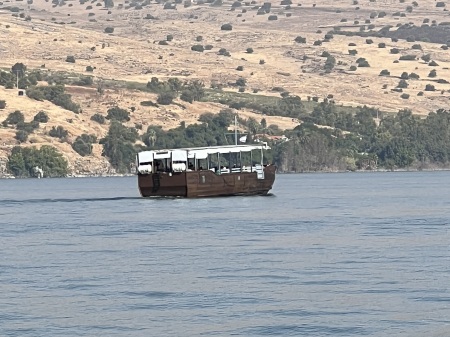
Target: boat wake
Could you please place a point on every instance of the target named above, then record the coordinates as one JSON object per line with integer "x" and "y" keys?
{"x": 62, "y": 200}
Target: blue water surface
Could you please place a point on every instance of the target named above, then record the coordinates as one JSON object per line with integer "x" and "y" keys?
{"x": 339, "y": 254}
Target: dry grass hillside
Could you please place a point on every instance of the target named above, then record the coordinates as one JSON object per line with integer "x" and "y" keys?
{"x": 43, "y": 33}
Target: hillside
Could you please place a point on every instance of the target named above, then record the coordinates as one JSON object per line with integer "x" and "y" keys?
{"x": 42, "y": 34}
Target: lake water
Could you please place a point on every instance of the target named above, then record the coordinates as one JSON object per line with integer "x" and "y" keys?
{"x": 350, "y": 254}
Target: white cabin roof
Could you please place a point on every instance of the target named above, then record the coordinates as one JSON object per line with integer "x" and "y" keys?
{"x": 202, "y": 152}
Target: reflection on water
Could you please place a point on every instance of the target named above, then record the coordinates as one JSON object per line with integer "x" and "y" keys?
{"x": 327, "y": 254}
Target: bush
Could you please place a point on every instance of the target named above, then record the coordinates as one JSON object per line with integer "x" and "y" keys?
{"x": 21, "y": 136}
{"x": 226, "y": 26}
{"x": 433, "y": 64}
{"x": 382, "y": 45}
{"x": 300, "y": 39}
{"x": 83, "y": 144}
{"x": 416, "y": 47}
{"x": 353, "y": 52}
{"x": 109, "y": 30}
{"x": 385, "y": 72}
{"x": 369, "y": 41}
{"x": 430, "y": 87}
{"x": 165, "y": 98}
{"x": 404, "y": 96}
{"x": 70, "y": 59}
{"x": 2, "y": 104}
{"x": 118, "y": 114}
{"x": 89, "y": 69}
{"x": 402, "y": 84}
{"x": 14, "y": 118}
{"x": 240, "y": 68}
{"x": 395, "y": 51}
{"x": 249, "y": 50}
{"x": 353, "y": 68}
{"x": 432, "y": 73}
{"x": 426, "y": 58}
{"x": 408, "y": 57}
{"x": 100, "y": 119}
{"x": 41, "y": 117}
{"x": 198, "y": 48}
{"x": 404, "y": 75}
{"x": 58, "y": 132}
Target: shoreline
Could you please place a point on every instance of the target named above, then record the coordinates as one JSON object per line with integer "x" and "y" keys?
{"x": 8, "y": 176}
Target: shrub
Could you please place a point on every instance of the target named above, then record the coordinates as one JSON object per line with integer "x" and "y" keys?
{"x": 432, "y": 73}
{"x": 2, "y": 104}
{"x": 169, "y": 37}
{"x": 165, "y": 98}
{"x": 369, "y": 41}
{"x": 21, "y": 136}
{"x": 353, "y": 52}
{"x": 241, "y": 82}
{"x": 100, "y": 119}
{"x": 70, "y": 59}
{"x": 118, "y": 114}
{"x": 226, "y": 26}
{"x": 41, "y": 117}
{"x": 414, "y": 76}
{"x": 402, "y": 84}
{"x": 240, "y": 68}
{"x": 430, "y": 87}
{"x": 272, "y": 18}
{"x": 426, "y": 58}
{"x": 416, "y": 46}
{"x": 109, "y": 30}
{"x": 363, "y": 64}
{"x": 58, "y": 132}
{"x": 385, "y": 72}
{"x": 300, "y": 39}
{"x": 198, "y": 48}
{"x": 249, "y": 50}
{"x": 353, "y": 68}
{"x": 317, "y": 43}
{"x": 83, "y": 144}
{"x": 14, "y": 118}
{"x": 433, "y": 64}
{"x": 382, "y": 45}
{"x": 404, "y": 96}
{"x": 262, "y": 61}
{"x": 89, "y": 69}
{"x": 404, "y": 75}
{"x": 408, "y": 57}
{"x": 395, "y": 51}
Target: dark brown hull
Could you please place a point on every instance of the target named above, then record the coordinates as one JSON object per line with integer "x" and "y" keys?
{"x": 197, "y": 184}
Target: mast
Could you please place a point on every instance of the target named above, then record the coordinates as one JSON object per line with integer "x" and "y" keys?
{"x": 235, "y": 130}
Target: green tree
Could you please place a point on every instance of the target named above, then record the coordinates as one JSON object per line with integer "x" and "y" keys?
{"x": 118, "y": 146}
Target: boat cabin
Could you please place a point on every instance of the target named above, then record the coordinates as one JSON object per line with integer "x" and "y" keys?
{"x": 219, "y": 159}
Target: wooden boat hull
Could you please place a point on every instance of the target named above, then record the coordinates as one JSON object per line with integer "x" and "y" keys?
{"x": 195, "y": 184}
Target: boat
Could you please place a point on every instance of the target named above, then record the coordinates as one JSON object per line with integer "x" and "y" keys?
{"x": 205, "y": 171}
